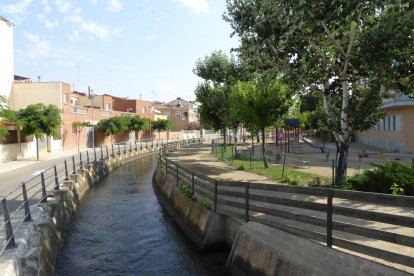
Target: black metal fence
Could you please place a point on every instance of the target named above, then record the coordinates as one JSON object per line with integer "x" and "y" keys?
{"x": 17, "y": 205}
{"x": 377, "y": 225}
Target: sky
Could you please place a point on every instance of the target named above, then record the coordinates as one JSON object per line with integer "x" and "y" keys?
{"x": 127, "y": 48}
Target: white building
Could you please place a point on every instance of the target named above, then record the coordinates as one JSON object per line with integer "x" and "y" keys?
{"x": 6, "y": 57}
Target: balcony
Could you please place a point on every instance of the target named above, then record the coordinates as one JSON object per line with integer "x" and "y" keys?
{"x": 104, "y": 113}
{"x": 79, "y": 110}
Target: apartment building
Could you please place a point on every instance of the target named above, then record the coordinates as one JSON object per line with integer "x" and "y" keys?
{"x": 182, "y": 113}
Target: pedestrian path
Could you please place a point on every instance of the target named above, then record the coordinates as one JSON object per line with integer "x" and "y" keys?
{"x": 199, "y": 158}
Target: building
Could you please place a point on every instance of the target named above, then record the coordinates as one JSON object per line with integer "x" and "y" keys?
{"x": 182, "y": 113}
{"x": 6, "y": 57}
{"x": 395, "y": 131}
{"x": 140, "y": 107}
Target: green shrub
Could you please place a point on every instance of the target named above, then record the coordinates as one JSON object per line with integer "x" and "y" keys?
{"x": 240, "y": 168}
{"x": 185, "y": 189}
{"x": 382, "y": 178}
{"x": 315, "y": 182}
{"x": 205, "y": 203}
{"x": 292, "y": 180}
{"x": 396, "y": 189}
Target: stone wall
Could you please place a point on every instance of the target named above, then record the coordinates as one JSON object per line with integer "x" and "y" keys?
{"x": 39, "y": 242}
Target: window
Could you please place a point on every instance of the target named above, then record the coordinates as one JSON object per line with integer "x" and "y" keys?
{"x": 108, "y": 106}
{"x": 178, "y": 114}
{"x": 143, "y": 110}
{"x": 65, "y": 98}
{"x": 398, "y": 123}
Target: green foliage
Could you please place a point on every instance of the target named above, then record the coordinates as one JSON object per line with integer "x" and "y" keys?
{"x": 136, "y": 123}
{"x": 39, "y": 119}
{"x": 114, "y": 125}
{"x": 292, "y": 179}
{"x": 3, "y": 133}
{"x": 397, "y": 189}
{"x": 315, "y": 182}
{"x": 204, "y": 202}
{"x": 383, "y": 178}
{"x": 185, "y": 189}
{"x": 240, "y": 167}
{"x": 161, "y": 125}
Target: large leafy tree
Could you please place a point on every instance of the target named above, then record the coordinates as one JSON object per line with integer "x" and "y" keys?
{"x": 219, "y": 72}
{"x": 136, "y": 124}
{"x": 39, "y": 120}
{"x": 114, "y": 125}
{"x": 351, "y": 51}
{"x": 161, "y": 125}
{"x": 260, "y": 103}
{"x": 5, "y": 113}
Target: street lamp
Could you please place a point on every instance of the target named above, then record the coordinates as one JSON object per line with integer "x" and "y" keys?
{"x": 90, "y": 92}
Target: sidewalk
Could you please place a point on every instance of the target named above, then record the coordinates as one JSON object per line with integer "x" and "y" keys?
{"x": 198, "y": 158}
{"x": 45, "y": 156}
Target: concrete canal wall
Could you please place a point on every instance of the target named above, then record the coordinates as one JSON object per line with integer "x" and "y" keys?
{"x": 39, "y": 242}
{"x": 258, "y": 249}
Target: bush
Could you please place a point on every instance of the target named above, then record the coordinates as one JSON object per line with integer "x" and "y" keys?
{"x": 185, "y": 189}
{"x": 205, "y": 203}
{"x": 240, "y": 168}
{"x": 293, "y": 180}
{"x": 383, "y": 177}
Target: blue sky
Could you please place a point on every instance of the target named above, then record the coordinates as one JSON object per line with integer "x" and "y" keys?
{"x": 126, "y": 47}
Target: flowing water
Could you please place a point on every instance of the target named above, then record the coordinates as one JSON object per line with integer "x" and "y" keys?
{"x": 121, "y": 229}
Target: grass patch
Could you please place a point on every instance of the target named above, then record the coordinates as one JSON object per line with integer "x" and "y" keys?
{"x": 274, "y": 172}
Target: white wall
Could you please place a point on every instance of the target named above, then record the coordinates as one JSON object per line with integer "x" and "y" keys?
{"x": 11, "y": 152}
{"x": 24, "y": 94}
{"x": 6, "y": 57}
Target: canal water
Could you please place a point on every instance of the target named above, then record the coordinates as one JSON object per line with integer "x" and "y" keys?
{"x": 121, "y": 229}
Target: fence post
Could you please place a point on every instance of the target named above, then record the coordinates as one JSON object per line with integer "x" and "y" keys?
{"x": 222, "y": 151}
{"x": 9, "y": 230}
{"x": 80, "y": 160}
{"x": 56, "y": 178}
{"x": 329, "y": 210}
{"x": 215, "y": 196}
{"x": 73, "y": 164}
{"x": 66, "y": 170}
{"x": 333, "y": 173}
{"x": 284, "y": 162}
{"x": 192, "y": 183}
{"x": 177, "y": 173}
{"x": 27, "y": 215}
{"x": 246, "y": 198}
{"x": 250, "y": 158}
{"x": 42, "y": 177}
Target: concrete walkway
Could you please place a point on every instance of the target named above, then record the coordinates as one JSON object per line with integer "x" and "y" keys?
{"x": 198, "y": 158}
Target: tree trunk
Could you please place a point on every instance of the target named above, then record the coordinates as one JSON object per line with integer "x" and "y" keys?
{"x": 341, "y": 162}
{"x": 257, "y": 137}
{"x": 224, "y": 140}
{"x": 266, "y": 165}
{"x": 37, "y": 149}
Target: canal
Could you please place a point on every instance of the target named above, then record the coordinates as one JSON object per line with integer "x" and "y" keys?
{"x": 121, "y": 229}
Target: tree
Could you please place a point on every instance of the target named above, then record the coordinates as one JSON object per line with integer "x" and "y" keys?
{"x": 136, "y": 124}
{"x": 260, "y": 103}
{"x": 39, "y": 120}
{"x": 5, "y": 113}
{"x": 219, "y": 72}
{"x": 161, "y": 125}
{"x": 350, "y": 51}
{"x": 114, "y": 125}
{"x": 79, "y": 126}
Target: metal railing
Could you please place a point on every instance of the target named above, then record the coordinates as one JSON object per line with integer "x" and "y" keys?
{"x": 377, "y": 225}
{"x": 17, "y": 205}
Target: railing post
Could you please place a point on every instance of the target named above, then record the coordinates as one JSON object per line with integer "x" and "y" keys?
{"x": 329, "y": 210}
{"x": 56, "y": 178}
{"x": 119, "y": 149}
{"x": 246, "y": 200}
{"x": 66, "y": 170}
{"x": 9, "y": 230}
{"x": 107, "y": 152}
{"x": 112, "y": 145}
{"x": 166, "y": 168}
{"x": 27, "y": 215}
{"x": 80, "y": 160}
{"x": 192, "y": 183}
{"x": 94, "y": 152}
{"x": 215, "y": 196}
{"x": 73, "y": 164}
{"x": 130, "y": 146}
{"x": 177, "y": 173}
{"x": 42, "y": 177}
{"x": 125, "y": 151}
{"x": 136, "y": 145}
{"x": 146, "y": 144}
{"x": 87, "y": 157}
{"x": 102, "y": 156}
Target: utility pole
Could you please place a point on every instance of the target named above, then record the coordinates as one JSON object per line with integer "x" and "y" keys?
{"x": 90, "y": 94}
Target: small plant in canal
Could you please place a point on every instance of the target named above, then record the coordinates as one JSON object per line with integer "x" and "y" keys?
{"x": 186, "y": 190}
{"x": 205, "y": 203}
